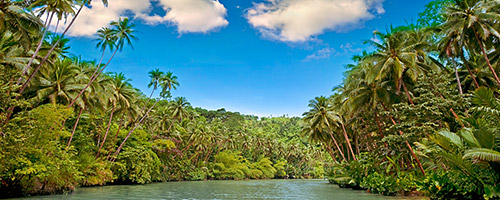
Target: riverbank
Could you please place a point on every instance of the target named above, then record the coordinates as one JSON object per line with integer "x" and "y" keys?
{"x": 223, "y": 189}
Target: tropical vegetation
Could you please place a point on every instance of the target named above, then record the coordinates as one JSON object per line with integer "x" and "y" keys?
{"x": 421, "y": 107}
{"x": 416, "y": 114}
{"x": 66, "y": 122}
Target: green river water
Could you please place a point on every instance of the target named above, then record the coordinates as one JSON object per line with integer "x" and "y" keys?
{"x": 246, "y": 189}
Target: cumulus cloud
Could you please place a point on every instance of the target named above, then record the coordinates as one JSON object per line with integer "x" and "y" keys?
{"x": 190, "y": 15}
{"x": 320, "y": 54}
{"x": 300, "y": 20}
{"x": 187, "y": 15}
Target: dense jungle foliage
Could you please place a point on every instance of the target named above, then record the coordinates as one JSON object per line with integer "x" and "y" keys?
{"x": 65, "y": 123}
{"x": 419, "y": 112}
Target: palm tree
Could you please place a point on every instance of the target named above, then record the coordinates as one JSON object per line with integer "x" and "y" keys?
{"x": 44, "y": 59}
{"x": 475, "y": 19}
{"x": 14, "y": 18}
{"x": 178, "y": 108}
{"x": 122, "y": 33}
{"x": 123, "y": 95}
{"x": 156, "y": 76}
{"x": 168, "y": 82}
{"x": 59, "y": 83}
{"x": 49, "y": 7}
{"x": 396, "y": 57}
{"x": 320, "y": 117}
{"x": 106, "y": 39}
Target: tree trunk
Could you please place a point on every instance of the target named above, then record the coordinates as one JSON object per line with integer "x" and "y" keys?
{"x": 469, "y": 70}
{"x": 131, "y": 131}
{"x": 356, "y": 143}
{"x": 454, "y": 114}
{"x": 74, "y": 127}
{"x": 407, "y": 93}
{"x": 119, "y": 127}
{"x": 39, "y": 45}
{"x": 107, "y": 131}
{"x": 330, "y": 151}
{"x": 11, "y": 109}
{"x": 92, "y": 79}
{"x": 459, "y": 84}
{"x": 407, "y": 143}
{"x": 347, "y": 140}
{"x": 336, "y": 144}
{"x": 378, "y": 124}
{"x": 486, "y": 57}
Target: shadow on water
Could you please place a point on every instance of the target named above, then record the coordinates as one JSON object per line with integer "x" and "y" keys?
{"x": 249, "y": 189}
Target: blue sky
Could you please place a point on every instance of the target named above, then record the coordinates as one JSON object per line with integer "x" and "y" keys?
{"x": 240, "y": 66}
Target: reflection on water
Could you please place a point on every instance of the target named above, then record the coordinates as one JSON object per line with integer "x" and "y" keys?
{"x": 250, "y": 189}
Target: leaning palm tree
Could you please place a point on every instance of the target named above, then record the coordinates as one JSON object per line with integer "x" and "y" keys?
{"x": 396, "y": 58}
{"x": 106, "y": 39}
{"x": 474, "y": 19}
{"x": 44, "y": 59}
{"x": 168, "y": 82}
{"x": 122, "y": 33}
{"x": 60, "y": 8}
{"x": 156, "y": 76}
{"x": 123, "y": 95}
{"x": 320, "y": 117}
{"x": 167, "y": 85}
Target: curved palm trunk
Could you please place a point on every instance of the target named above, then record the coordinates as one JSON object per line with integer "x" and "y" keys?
{"x": 74, "y": 127}
{"x": 486, "y": 58}
{"x": 336, "y": 144}
{"x": 347, "y": 140}
{"x": 39, "y": 45}
{"x": 131, "y": 131}
{"x": 150, "y": 95}
{"x": 23, "y": 87}
{"x": 119, "y": 127}
{"x": 107, "y": 131}
{"x": 330, "y": 151}
{"x": 469, "y": 70}
{"x": 51, "y": 49}
{"x": 407, "y": 93}
{"x": 407, "y": 143}
{"x": 454, "y": 114}
{"x": 93, "y": 79}
{"x": 459, "y": 84}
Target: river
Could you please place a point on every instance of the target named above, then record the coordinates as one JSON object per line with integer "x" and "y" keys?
{"x": 246, "y": 189}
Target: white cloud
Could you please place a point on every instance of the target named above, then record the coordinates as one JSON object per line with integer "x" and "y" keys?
{"x": 349, "y": 48}
{"x": 320, "y": 54}
{"x": 300, "y": 20}
{"x": 188, "y": 15}
{"x": 93, "y": 18}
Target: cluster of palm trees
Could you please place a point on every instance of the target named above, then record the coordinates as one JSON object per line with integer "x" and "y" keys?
{"x": 44, "y": 72}
{"x": 37, "y": 69}
{"x": 362, "y": 110}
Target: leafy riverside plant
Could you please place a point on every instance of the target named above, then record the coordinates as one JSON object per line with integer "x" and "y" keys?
{"x": 422, "y": 109}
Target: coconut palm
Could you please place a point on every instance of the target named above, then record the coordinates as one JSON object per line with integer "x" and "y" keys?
{"x": 122, "y": 33}
{"x": 474, "y": 19}
{"x": 16, "y": 19}
{"x": 168, "y": 82}
{"x": 320, "y": 117}
{"x": 395, "y": 58}
{"x": 59, "y": 83}
{"x": 123, "y": 96}
{"x": 60, "y": 8}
